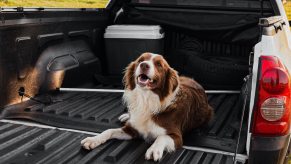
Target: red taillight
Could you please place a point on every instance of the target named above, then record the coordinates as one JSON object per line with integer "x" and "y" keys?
{"x": 272, "y": 108}
{"x": 275, "y": 80}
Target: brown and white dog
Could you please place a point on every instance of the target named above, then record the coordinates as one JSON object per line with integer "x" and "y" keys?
{"x": 162, "y": 106}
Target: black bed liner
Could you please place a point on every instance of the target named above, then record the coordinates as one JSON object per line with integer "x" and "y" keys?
{"x": 20, "y": 144}
{"x": 99, "y": 111}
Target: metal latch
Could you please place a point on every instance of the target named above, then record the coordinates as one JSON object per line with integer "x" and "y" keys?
{"x": 267, "y": 22}
{"x": 271, "y": 25}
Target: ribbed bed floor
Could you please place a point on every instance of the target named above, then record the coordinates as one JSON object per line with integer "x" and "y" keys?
{"x": 99, "y": 111}
{"x": 20, "y": 144}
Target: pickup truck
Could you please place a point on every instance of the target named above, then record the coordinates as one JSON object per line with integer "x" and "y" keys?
{"x": 238, "y": 50}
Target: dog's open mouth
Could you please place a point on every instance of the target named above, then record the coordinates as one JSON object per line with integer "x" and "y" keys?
{"x": 144, "y": 80}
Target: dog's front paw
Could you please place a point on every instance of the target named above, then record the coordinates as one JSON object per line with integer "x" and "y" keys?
{"x": 124, "y": 117}
{"x": 155, "y": 153}
{"x": 91, "y": 142}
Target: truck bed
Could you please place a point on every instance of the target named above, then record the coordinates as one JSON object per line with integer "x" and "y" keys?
{"x": 20, "y": 144}
{"x": 96, "y": 112}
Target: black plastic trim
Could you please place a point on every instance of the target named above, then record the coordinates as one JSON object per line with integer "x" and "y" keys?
{"x": 268, "y": 150}
{"x": 269, "y": 143}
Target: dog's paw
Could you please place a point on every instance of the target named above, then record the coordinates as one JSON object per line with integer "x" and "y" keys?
{"x": 91, "y": 142}
{"x": 155, "y": 153}
{"x": 124, "y": 117}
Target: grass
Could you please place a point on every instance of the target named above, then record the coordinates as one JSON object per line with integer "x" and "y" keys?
{"x": 55, "y": 3}
{"x": 79, "y": 4}
{"x": 288, "y": 9}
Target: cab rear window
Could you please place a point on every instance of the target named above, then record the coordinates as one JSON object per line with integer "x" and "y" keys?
{"x": 55, "y": 3}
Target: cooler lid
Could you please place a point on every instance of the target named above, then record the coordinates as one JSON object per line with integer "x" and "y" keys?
{"x": 134, "y": 27}
{"x": 134, "y": 32}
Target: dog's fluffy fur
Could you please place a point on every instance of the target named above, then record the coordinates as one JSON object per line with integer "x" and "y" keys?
{"x": 162, "y": 106}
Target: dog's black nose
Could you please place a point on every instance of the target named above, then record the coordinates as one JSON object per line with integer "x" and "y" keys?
{"x": 144, "y": 66}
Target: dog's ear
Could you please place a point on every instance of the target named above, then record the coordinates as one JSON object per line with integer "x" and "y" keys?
{"x": 173, "y": 78}
{"x": 128, "y": 78}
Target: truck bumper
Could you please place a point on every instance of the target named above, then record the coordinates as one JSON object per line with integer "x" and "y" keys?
{"x": 268, "y": 150}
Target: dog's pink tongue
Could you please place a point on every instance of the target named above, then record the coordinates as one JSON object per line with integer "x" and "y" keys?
{"x": 143, "y": 81}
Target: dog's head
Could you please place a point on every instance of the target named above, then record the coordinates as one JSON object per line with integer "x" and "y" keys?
{"x": 151, "y": 72}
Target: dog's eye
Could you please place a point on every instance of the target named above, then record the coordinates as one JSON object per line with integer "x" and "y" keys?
{"x": 159, "y": 64}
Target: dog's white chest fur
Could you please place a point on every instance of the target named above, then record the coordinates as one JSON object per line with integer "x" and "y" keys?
{"x": 142, "y": 105}
{"x": 145, "y": 126}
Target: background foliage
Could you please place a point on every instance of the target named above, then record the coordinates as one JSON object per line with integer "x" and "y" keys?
{"x": 82, "y": 4}
{"x": 55, "y": 3}
{"x": 287, "y": 6}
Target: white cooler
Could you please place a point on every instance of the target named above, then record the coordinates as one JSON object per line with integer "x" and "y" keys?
{"x": 124, "y": 43}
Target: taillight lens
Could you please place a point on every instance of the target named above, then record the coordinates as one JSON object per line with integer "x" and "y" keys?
{"x": 272, "y": 108}
{"x": 275, "y": 80}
